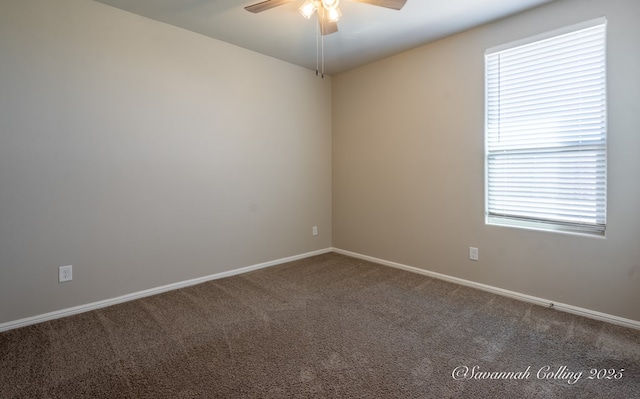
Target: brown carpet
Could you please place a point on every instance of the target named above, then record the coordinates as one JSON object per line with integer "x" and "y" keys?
{"x": 324, "y": 327}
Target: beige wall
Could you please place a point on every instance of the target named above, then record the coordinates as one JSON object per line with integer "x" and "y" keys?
{"x": 143, "y": 155}
{"x": 408, "y": 181}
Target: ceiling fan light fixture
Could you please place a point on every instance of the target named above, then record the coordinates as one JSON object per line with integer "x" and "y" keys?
{"x": 330, "y": 4}
{"x": 308, "y": 8}
{"x": 334, "y": 14}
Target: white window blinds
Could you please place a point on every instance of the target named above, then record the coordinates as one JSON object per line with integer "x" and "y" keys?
{"x": 546, "y": 132}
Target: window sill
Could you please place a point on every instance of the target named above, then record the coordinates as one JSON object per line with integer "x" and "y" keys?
{"x": 543, "y": 226}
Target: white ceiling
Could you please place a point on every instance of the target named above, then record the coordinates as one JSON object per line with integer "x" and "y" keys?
{"x": 366, "y": 33}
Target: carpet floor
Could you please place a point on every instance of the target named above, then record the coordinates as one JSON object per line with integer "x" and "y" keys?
{"x": 329, "y": 326}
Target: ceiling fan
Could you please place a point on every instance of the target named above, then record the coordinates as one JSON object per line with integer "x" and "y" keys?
{"x": 328, "y": 11}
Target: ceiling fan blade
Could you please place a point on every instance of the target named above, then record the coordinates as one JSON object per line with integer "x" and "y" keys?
{"x": 393, "y": 4}
{"x": 327, "y": 27}
{"x": 266, "y": 5}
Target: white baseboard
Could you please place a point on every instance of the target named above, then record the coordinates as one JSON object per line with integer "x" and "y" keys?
{"x": 153, "y": 291}
{"x": 499, "y": 291}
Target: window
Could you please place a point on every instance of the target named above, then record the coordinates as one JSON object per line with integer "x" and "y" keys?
{"x": 546, "y": 131}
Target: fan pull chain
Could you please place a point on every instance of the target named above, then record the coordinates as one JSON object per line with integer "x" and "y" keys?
{"x": 319, "y": 49}
{"x": 322, "y": 40}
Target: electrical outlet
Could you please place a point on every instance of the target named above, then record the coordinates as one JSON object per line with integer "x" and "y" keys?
{"x": 473, "y": 253}
{"x": 65, "y": 273}
{"x": 314, "y": 230}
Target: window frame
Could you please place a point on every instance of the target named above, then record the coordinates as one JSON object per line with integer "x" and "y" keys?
{"x": 541, "y": 224}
